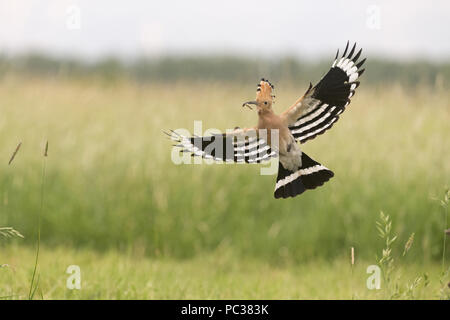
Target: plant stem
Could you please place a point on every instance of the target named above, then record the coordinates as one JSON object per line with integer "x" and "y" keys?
{"x": 445, "y": 236}
{"x": 33, "y": 286}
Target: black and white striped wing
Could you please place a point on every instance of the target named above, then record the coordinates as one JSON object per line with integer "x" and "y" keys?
{"x": 322, "y": 104}
{"x": 228, "y": 147}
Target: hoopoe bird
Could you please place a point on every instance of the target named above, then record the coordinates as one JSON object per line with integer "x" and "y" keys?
{"x": 311, "y": 115}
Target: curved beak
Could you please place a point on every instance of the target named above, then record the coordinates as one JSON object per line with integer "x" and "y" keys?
{"x": 248, "y": 103}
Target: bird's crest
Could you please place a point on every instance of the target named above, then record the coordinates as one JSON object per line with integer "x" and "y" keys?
{"x": 264, "y": 92}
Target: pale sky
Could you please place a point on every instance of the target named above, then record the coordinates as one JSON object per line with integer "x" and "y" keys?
{"x": 313, "y": 28}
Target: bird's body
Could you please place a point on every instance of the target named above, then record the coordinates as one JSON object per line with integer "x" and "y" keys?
{"x": 277, "y": 135}
{"x": 289, "y": 151}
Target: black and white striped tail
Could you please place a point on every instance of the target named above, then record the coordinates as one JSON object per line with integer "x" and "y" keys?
{"x": 292, "y": 183}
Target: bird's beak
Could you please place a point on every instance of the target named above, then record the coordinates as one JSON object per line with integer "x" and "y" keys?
{"x": 248, "y": 103}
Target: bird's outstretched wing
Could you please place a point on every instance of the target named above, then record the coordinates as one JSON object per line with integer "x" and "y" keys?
{"x": 321, "y": 105}
{"x": 240, "y": 145}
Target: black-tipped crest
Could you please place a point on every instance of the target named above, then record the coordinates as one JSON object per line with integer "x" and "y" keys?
{"x": 264, "y": 90}
{"x": 267, "y": 81}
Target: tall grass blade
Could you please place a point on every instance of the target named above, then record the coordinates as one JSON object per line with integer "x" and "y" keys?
{"x": 444, "y": 203}
{"x": 34, "y": 285}
{"x": 14, "y": 153}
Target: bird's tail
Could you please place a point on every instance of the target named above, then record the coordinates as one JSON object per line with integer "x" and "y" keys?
{"x": 311, "y": 175}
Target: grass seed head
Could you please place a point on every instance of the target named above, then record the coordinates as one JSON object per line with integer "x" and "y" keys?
{"x": 408, "y": 244}
{"x": 14, "y": 153}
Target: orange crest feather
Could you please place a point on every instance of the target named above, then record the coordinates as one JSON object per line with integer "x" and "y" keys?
{"x": 264, "y": 91}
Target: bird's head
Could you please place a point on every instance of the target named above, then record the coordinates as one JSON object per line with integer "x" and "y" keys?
{"x": 264, "y": 96}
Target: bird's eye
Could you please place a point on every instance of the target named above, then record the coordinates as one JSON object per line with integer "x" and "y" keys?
{"x": 265, "y": 102}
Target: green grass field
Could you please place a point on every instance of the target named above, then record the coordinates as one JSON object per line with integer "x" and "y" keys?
{"x": 141, "y": 227}
{"x": 218, "y": 275}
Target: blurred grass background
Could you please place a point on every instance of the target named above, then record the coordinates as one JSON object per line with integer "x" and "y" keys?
{"x": 219, "y": 275}
{"x": 110, "y": 182}
{"x": 239, "y": 69}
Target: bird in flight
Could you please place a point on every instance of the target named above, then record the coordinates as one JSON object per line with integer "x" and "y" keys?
{"x": 311, "y": 115}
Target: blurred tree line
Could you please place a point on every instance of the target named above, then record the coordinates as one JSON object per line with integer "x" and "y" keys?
{"x": 220, "y": 68}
